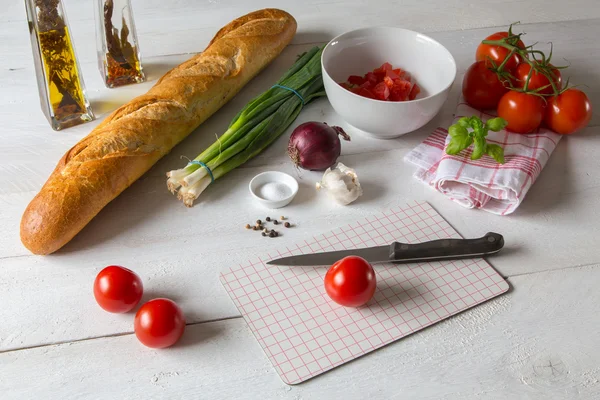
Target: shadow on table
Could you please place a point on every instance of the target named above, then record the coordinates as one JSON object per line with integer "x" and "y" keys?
{"x": 155, "y": 69}
{"x": 198, "y": 333}
{"x": 306, "y": 189}
{"x": 554, "y": 184}
{"x": 310, "y": 37}
{"x": 371, "y": 192}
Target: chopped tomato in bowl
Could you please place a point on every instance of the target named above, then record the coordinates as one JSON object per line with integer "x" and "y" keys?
{"x": 371, "y": 74}
{"x": 384, "y": 83}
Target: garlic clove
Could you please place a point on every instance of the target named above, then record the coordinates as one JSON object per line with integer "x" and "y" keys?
{"x": 342, "y": 184}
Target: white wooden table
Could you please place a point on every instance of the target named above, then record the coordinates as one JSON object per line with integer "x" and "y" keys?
{"x": 539, "y": 341}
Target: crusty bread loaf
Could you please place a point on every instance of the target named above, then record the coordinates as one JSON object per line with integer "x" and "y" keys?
{"x": 134, "y": 137}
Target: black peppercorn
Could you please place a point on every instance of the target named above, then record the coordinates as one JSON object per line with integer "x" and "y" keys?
{"x": 287, "y": 225}
{"x": 268, "y": 219}
{"x": 272, "y": 234}
{"x": 276, "y": 222}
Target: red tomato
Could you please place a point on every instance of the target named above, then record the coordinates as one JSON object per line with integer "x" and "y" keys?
{"x": 414, "y": 92}
{"x": 350, "y": 282}
{"x": 401, "y": 90}
{"x": 356, "y": 80}
{"x": 372, "y": 78}
{"x": 389, "y": 82}
{"x": 486, "y": 52}
{"x": 482, "y": 89}
{"x": 381, "y": 71}
{"x": 364, "y": 92}
{"x": 537, "y": 80}
{"x": 522, "y": 111}
{"x": 568, "y": 112}
{"x": 392, "y": 74}
{"x": 117, "y": 289}
{"x": 384, "y": 83}
{"x": 381, "y": 91}
{"x": 159, "y": 323}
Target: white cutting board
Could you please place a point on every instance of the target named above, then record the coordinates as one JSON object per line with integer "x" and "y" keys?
{"x": 304, "y": 333}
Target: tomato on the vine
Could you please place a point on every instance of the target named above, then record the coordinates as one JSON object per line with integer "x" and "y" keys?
{"x": 482, "y": 88}
{"x": 350, "y": 282}
{"x": 522, "y": 111}
{"x": 117, "y": 289}
{"x": 568, "y": 112}
{"x": 537, "y": 80}
{"x": 497, "y": 54}
{"x": 159, "y": 323}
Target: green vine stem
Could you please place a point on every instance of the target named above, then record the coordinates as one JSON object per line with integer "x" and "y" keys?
{"x": 538, "y": 66}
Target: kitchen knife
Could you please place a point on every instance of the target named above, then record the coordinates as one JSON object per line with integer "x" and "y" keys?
{"x": 435, "y": 250}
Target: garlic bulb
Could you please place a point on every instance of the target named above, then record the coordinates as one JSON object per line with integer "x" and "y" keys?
{"x": 341, "y": 183}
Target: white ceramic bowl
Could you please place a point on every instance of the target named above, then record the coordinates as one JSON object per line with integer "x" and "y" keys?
{"x": 360, "y": 51}
{"x": 271, "y": 177}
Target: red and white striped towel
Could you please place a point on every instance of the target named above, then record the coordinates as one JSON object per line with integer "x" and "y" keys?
{"x": 483, "y": 183}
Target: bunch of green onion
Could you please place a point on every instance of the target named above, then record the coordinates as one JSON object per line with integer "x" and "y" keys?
{"x": 253, "y": 129}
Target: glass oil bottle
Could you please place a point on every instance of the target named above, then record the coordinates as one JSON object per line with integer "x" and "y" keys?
{"x": 61, "y": 88}
{"x": 117, "y": 43}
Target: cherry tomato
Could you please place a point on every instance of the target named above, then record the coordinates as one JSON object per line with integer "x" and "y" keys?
{"x": 482, "y": 88}
{"x": 486, "y": 52}
{"x": 384, "y": 83}
{"x": 159, "y": 323}
{"x": 522, "y": 111}
{"x": 117, "y": 289}
{"x": 350, "y": 282}
{"x": 568, "y": 112}
{"x": 537, "y": 80}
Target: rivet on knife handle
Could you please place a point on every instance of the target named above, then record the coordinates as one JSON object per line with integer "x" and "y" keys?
{"x": 447, "y": 249}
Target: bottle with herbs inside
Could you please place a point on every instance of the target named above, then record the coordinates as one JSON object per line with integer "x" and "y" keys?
{"x": 118, "y": 50}
{"x": 62, "y": 92}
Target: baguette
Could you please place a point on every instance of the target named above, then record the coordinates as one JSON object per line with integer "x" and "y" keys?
{"x": 134, "y": 137}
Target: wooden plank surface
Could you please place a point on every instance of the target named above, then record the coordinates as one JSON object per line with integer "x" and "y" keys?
{"x": 512, "y": 347}
{"x": 148, "y": 230}
{"x": 184, "y": 26}
{"x": 178, "y": 251}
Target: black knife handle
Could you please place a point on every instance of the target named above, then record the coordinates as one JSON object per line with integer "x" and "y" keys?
{"x": 447, "y": 249}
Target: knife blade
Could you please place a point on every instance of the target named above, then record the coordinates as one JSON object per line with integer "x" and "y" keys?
{"x": 435, "y": 250}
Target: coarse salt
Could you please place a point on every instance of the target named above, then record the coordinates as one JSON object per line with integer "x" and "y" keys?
{"x": 274, "y": 191}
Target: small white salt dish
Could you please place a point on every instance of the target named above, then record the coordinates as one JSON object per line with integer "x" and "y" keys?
{"x": 273, "y": 189}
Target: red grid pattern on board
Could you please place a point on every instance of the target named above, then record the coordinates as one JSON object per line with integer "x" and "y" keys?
{"x": 304, "y": 333}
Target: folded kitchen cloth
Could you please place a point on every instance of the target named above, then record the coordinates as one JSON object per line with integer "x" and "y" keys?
{"x": 483, "y": 183}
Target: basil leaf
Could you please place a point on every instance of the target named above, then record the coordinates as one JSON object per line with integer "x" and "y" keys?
{"x": 464, "y": 122}
{"x": 496, "y": 124}
{"x": 457, "y": 131}
{"x": 478, "y": 126}
{"x": 458, "y": 144}
{"x": 469, "y": 130}
{"x": 496, "y": 152}
{"x": 478, "y": 148}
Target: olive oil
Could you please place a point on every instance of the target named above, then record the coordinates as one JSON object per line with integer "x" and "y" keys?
{"x": 60, "y": 84}
{"x": 64, "y": 86}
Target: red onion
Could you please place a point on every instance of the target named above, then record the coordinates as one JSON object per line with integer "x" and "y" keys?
{"x": 315, "y": 145}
